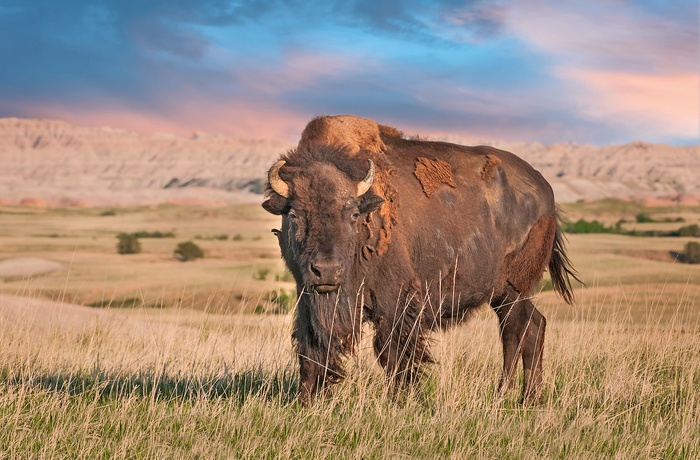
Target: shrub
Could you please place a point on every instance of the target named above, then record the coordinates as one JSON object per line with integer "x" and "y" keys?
{"x": 222, "y": 237}
{"x": 584, "y": 226}
{"x": 283, "y": 301}
{"x": 643, "y": 218}
{"x": 689, "y": 230}
{"x": 188, "y": 251}
{"x": 156, "y": 234}
{"x": 128, "y": 244}
{"x": 262, "y": 273}
{"x": 646, "y": 218}
{"x": 127, "y": 302}
{"x": 284, "y": 276}
{"x": 691, "y": 254}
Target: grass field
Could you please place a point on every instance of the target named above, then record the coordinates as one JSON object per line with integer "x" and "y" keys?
{"x": 84, "y": 241}
{"x": 191, "y": 372}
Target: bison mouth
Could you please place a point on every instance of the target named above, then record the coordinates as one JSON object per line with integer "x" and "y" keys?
{"x": 326, "y": 288}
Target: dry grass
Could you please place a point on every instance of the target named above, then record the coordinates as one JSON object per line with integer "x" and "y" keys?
{"x": 143, "y": 383}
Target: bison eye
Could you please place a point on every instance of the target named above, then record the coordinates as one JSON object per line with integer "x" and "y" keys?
{"x": 355, "y": 215}
{"x": 292, "y": 214}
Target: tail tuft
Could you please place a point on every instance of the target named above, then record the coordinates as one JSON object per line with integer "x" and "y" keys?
{"x": 561, "y": 270}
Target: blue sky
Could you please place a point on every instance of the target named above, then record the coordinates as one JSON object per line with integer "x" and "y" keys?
{"x": 600, "y": 72}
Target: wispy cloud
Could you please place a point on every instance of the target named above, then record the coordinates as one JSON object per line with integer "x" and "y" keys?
{"x": 599, "y": 71}
{"x": 633, "y": 66}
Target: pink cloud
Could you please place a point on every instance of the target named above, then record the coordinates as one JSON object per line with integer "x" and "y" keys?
{"x": 668, "y": 103}
{"x": 254, "y": 109}
{"x": 611, "y": 34}
{"x": 231, "y": 119}
{"x": 625, "y": 67}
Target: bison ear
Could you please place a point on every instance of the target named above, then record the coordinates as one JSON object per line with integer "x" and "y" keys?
{"x": 276, "y": 204}
{"x": 370, "y": 202}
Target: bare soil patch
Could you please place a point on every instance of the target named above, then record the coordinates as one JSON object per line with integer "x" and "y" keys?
{"x": 27, "y": 266}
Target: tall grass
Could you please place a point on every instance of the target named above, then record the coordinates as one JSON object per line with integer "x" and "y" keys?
{"x": 144, "y": 383}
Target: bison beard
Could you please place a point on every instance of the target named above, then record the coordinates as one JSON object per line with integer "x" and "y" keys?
{"x": 326, "y": 329}
{"x": 366, "y": 242}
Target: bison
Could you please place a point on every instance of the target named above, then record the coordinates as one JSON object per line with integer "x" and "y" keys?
{"x": 411, "y": 236}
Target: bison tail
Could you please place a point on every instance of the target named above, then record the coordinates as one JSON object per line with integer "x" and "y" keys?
{"x": 561, "y": 270}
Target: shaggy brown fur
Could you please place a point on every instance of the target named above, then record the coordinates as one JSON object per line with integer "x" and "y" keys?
{"x": 360, "y": 137}
{"x": 432, "y": 173}
{"x": 347, "y": 132}
{"x": 389, "y": 256}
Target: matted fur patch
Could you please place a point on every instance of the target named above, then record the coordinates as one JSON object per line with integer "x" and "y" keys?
{"x": 488, "y": 171}
{"x": 432, "y": 173}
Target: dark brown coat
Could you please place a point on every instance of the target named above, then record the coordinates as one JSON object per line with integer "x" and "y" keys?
{"x": 442, "y": 230}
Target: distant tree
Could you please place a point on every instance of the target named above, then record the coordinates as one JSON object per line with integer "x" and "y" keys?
{"x": 188, "y": 251}
{"x": 128, "y": 244}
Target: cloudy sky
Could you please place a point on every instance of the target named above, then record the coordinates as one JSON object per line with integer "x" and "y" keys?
{"x": 596, "y": 71}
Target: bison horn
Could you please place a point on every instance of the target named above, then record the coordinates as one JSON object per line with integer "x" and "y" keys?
{"x": 277, "y": 184}
{"x": 366, "y": 183}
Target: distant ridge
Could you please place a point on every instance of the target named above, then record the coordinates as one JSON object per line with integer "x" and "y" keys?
{"x": 54, "y": 163}
{"x": 653, "y": 174}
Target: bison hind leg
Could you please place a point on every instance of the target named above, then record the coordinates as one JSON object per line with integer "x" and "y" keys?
{"x": 522, "y": 326}
{"x": 524, "y": 268}
{"x": 522, "y": 329}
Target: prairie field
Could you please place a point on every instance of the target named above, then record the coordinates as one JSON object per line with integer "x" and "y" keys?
{"x": 105, "y": 355}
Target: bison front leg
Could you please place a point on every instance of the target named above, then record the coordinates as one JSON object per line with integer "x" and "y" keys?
{"x": 522, "y": 329}
{"x": 320, "y": 354}
{"x": 311, "y": 373}
{"x": 401, "y": 345}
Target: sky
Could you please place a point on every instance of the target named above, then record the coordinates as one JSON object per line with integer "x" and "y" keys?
{"x": 598, "y": 71}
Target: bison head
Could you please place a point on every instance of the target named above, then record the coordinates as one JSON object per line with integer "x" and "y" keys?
{"x": 322, "y": 206}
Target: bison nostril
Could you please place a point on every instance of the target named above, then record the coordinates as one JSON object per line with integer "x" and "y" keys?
{"x": 316, "y": 271}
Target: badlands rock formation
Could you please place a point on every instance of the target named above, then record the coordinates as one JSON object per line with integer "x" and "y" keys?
{"x": 53, "y": 163}
{"x": 654, "y": 174}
